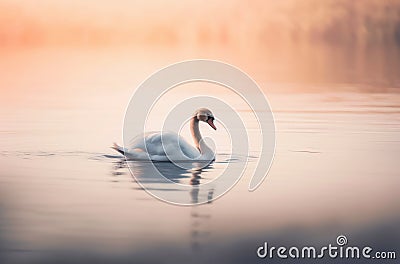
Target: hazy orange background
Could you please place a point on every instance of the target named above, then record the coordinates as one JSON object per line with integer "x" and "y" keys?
{"x": 333, "y": 41}
{"x": 164, "y": 23}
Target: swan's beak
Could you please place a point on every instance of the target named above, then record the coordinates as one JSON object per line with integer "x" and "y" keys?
{"x": 210, "y": 121}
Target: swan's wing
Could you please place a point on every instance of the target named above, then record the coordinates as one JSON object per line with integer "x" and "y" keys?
{"x": 158, "y": 144}
{"x": 154, "y": 143}
{"x": 149, "y": 142}
{"x": 188, "y": 150}
{"x": 178, "y": 147}
{"x": 135, "y": 154}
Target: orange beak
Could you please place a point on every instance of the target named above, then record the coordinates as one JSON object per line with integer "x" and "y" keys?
{"x": 210, "y": 121}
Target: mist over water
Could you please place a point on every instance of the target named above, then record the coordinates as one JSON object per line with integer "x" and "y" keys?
{"x": 331, "y": 42}
{"x": 330, "y": 70}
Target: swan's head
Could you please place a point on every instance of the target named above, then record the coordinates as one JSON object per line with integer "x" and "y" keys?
{"x": 205, "y": 115}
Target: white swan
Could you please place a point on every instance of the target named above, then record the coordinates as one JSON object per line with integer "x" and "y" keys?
{"x": 169, "y": 146}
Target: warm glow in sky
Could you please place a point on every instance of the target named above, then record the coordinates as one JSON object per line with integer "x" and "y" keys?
{"x": 24, "y": 22}
{"x": 332, "y": 41}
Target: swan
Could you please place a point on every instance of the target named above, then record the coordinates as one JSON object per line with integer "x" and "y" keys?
{"x": 169, "y": 146}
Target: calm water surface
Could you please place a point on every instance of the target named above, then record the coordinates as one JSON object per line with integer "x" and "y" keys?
{"x": 64, "y": 194}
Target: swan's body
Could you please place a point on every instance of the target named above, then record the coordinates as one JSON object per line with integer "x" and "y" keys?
{"x": 169, "y": 146}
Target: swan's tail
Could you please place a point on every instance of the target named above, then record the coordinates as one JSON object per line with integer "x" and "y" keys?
{"x": 118, "y": 148}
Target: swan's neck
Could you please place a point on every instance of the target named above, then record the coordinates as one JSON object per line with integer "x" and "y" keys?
{"x": 198, "y": 142}
{"x": 194, "y": 129}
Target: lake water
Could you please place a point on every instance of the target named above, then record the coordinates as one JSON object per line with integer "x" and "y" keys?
{"x": 65, "y": 196}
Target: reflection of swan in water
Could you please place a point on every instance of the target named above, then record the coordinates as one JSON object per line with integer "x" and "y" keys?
{"x": 144, "y": 171}
{"x": 200, "y": 215}
{"x": 166, "y": 146}
{"x": 195, "y": 182}
{"x": 175, "y": 174}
